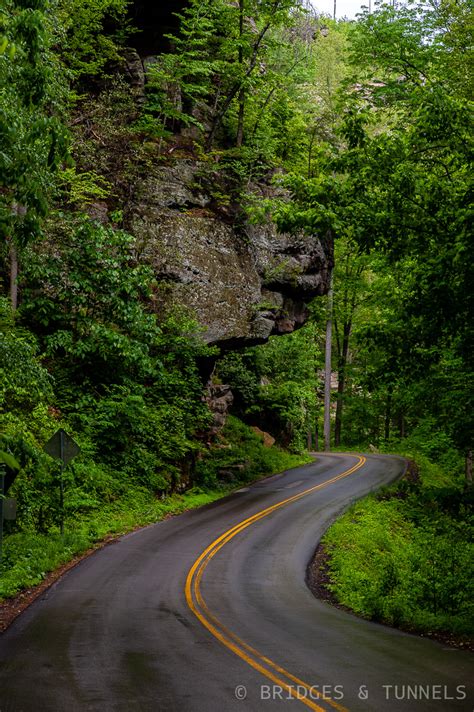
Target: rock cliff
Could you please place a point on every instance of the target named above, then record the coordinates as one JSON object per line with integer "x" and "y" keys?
{"x": 243, "y": 282}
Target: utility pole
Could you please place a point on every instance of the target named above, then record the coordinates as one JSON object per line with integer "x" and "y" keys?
{"x": 327, "y": 372}
{"x": 334, "y": 12}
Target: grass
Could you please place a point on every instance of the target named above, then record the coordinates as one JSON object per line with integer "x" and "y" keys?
{"x": 404, "y": 556}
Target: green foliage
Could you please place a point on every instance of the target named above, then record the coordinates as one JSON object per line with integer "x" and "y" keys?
{"x": 86, "y": 299}
{"x": 106, "y": 146}
{"x": 169, "y": 91}
{"x": 91, "y": 34}
{"x": 289, "y": 393}
{"x": 275, "y": 385}
{"x": 404, "y": 556}
{"x": 127, "y": 384}
{"x": 434, "y": 452}
{"x": 8, "y": 460}
{"x": 25, "y": 418}
{"x": 242, "y": 457}
{"x": 238, "y": 369}
{"x": 412, "y": 180}
{"x": 32, "y": 139}
{"x": 83, "y": 188}
{"x": 23, "y": 381}
{"x": 243, "y": 74}
{"x": 145, "y": 440}
{"x": 395, "y": 180}
{"x": 128, "y": 387}
{"x": 183, "y": 77}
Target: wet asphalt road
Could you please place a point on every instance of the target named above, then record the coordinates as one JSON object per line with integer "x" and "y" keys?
{"x": 118, "y": 634}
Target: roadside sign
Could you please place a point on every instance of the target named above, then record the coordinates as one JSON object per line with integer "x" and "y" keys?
{"x": 9, "y": 509}
{"x": 62, "y": 447}
{"x": 6, "y": 461}
{"x": 9, "y": 467}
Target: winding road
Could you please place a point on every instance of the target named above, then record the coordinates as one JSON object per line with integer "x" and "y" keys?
{"x": 209, "y": 612}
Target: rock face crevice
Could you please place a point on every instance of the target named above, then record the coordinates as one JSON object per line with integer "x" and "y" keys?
{"x": 241, "y": 284}
{"x": 219, "y": 399}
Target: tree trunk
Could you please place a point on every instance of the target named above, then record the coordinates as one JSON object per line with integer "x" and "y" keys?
{"x": 240, "y": 120}
{"x": 401, "y": 424}
{"x": 469, "y": 468}
{"x": 341, "y": 382}
{"x": 327, "y": 374}
{"x": 13, "y": 275}
{"x": 310, "y": 152}
{"x": 388, "y": 413}
{"x": 236, "y": 88}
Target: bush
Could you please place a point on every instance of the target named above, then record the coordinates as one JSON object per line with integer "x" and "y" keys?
{"x": 242, "y": 457}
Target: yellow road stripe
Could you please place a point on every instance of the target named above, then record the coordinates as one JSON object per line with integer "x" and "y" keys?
{"x": 227, "y": 637}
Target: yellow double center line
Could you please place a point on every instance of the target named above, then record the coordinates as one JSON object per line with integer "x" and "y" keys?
{"x": 253, "y": 657}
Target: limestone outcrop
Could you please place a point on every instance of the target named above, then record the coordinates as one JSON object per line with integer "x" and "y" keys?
{"x": 243, "y": 282}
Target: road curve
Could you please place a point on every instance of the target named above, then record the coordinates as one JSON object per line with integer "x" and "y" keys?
{"x": 209, "y": 612}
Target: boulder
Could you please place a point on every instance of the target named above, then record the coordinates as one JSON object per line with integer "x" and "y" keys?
{"x": 267, "y": 439}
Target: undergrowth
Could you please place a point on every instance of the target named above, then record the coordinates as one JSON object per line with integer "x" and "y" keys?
{"x": 403, "y": 556}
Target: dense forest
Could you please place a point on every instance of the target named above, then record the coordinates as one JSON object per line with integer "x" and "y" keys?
{"x": 356, "y": 133}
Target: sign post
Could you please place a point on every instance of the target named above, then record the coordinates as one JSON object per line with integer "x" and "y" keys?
{"x": 2, "y": 497}
{"x": 62, "y": 447}
{"x": 7, "y": 506}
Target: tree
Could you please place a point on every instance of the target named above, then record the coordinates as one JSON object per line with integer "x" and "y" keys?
{"x": 349, "y": 293}
{"x": 412, "y": 181}
{"x": 221, "y": 55}
{"x": 90, "y": 34}
{"x": 329, "y": 72}
{"x": 255, "y": 20}
{"x": 276, "y": 385}
{"x": 328, "y": 371}
{"x": 398, "y": 183}
{"x": 33, "y": 141}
